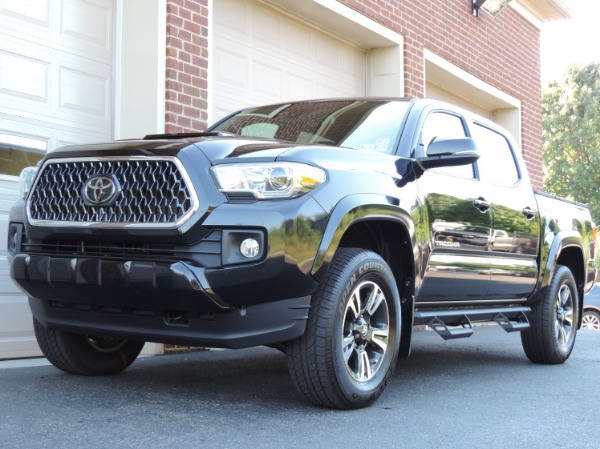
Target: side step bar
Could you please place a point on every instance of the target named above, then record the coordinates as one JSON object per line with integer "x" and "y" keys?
{"x": 511, "y": 319}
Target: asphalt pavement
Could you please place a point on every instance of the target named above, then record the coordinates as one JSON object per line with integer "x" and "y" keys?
{"x": 480, "y": 392}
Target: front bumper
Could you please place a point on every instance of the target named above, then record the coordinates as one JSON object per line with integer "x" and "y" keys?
{"x": 149, "y": 301}
{"x": 184, "y": 297}
{"x": 263, "y": 324}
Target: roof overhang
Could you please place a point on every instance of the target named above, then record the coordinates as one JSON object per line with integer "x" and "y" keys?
{"x": 540, "y": 11}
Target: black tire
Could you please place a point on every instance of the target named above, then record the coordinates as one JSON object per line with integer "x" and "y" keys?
{"x": 590, "y": 320}
{"x": 553, "y": 320}
{"x": 354, "y": 318}
{"x": 85, "y": 355}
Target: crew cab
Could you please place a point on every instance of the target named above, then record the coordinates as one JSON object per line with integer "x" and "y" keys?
{"x": 328, "y": 229}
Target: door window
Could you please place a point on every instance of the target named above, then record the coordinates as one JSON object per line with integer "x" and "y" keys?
{"x": 497, "y": 163}
{"x": 442, "y": 125}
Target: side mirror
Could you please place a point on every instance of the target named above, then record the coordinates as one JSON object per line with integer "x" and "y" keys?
{"x": 449, "y": 152}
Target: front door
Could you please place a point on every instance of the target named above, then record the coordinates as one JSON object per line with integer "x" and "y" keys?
{"x": 458, "y": 217}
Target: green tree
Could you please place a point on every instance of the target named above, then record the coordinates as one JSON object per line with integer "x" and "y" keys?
{"x": 571, "y": 123}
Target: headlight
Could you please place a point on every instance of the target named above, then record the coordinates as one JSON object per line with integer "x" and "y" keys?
{"x": 268, "y": 180}
{"x": 26, "y": 180}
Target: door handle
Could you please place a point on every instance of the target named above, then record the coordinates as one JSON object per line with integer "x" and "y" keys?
{"x": 529, "y": 213}
{"x": 482, "y": 204}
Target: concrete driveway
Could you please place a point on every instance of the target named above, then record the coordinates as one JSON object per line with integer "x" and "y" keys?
{"x": 480, "y": 392}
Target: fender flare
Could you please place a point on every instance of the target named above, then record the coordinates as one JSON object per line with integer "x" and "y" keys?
{"x": 350, "y": 210}
{"x": 553, "y": 246}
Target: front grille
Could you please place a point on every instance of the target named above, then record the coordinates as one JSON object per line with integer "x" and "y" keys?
{"x": 153, "y": 192}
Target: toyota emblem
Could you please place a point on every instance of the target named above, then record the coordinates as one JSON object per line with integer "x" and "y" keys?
{"x": 101, "y": 190}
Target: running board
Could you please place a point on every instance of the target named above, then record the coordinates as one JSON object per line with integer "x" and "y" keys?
{"x": 511, "y": 319}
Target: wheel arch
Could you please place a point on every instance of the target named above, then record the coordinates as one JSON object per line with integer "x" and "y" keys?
{"x": 566, "y": 250}
{"x": 382, "y": 227}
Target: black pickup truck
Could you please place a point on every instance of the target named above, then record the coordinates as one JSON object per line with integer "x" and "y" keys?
{"x": 328, "y": 229}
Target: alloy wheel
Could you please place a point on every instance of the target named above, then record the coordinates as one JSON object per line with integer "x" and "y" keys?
{"x": 365, "y": 331}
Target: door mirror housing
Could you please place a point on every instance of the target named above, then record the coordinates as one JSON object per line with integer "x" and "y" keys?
{"x": 449, "y": 152}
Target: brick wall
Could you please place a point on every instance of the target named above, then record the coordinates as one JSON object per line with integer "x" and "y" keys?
{"x": 187, "y": 64}
{"x": 503, "y": 52}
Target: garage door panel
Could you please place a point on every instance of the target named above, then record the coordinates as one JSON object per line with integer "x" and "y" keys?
{"x": 329, "y": 89}
{"x": 58, "y": 88}
{"x": 43, "y": 135}
{"x": 9, "y": 288}
{"x": 440, "y": 93}
{"x": 23, "y": 78}
{"x": 15, "y": 347}
{"x": 83, "y": 27}
{"x": 16, "y": 329}
{"x": 267, "y": 80}
{"x": 12, "y": 306}
{"x": 354, "y": 65}
{"x": 89, "y": 22}
{"x": 235, "y": 22}
{"x": 267, "y": 29}
{"x": 85, "y": 93}
{"x": 299, "y": 42}
{"x": 298, "y": 86}
{"x": 328, "y": 54}
{"x": 268, "y": 56}
{"x": 34, "y": 12}
{"x": 231, "y": 68}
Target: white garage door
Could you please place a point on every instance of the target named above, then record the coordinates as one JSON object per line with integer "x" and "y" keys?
{"x": 55, "y": 89}
{"x": 262, "y": 55}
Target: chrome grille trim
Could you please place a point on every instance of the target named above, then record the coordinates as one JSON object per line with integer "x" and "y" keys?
{"x": 138, "y": 207}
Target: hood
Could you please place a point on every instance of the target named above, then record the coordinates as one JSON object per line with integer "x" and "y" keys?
{"x": 214, "y": 148}
{"x": 220, "y": 150}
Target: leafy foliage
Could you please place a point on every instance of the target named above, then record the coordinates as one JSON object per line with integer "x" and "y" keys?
{"x": 571, "y": 126}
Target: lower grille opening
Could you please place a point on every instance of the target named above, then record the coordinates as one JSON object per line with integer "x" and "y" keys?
{"x": 207, "y": 252}
{"x": 172, "y": 317}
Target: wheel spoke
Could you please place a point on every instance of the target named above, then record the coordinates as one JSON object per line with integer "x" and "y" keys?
{"x": 379, "y": 337}
{"x": 349, "y": 347}
{"x": 564, "y": 296}
{"x": 562, "y": 335}
{"x": 374, "y": 300}
{"x": 364, "y": 365}
{"x": 568, "y": 320}
{"x": 354, "y": 304}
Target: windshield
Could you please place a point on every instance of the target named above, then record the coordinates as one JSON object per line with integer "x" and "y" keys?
{"x": 362, "y": 124}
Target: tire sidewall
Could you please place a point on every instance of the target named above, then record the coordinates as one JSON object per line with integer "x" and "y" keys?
{"x": 369, "y": 267}
{"x": 563, "y": 278}
{"x": 105, "y": 362}
{"x": 74, "y": 354}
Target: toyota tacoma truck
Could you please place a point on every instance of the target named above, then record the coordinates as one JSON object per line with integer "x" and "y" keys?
{"x": 328, "y": 229}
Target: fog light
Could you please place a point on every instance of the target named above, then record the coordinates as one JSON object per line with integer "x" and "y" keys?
{"x": 249, "y": 248}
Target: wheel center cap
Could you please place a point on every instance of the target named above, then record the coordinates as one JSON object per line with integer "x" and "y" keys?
{"x": 364, "y": 330}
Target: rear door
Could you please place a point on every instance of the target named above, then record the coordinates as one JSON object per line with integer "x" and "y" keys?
{"x": 515, "y": 232}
